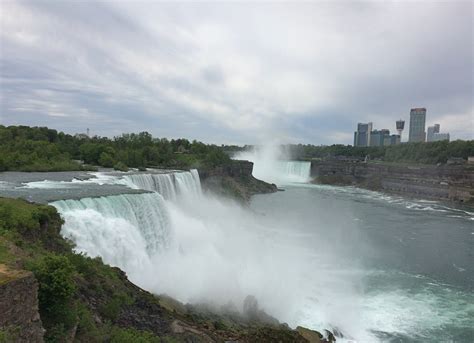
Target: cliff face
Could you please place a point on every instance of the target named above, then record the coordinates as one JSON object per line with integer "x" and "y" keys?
{"x": 234, "y": 180}
{"x": 443, "y": 182}
{"x": 19, "y": 316}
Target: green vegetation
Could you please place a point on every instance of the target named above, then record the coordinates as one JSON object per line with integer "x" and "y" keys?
{"x": 55, "y": 275}
{"x": 8, "y": 334}
{"x": 26, "y": 148}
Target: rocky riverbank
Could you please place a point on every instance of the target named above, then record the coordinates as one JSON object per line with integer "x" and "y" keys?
{"x": 234, "y": 180}
{"x": 436, "y": 182}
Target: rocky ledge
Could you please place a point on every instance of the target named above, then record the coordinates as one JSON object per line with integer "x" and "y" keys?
{"x": 19, "y": 317}
{"x": 234, "y": 180}
{"x": 436, "y": 182}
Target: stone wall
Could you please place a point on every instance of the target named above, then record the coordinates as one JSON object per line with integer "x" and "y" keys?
{"x": 443, "y": 182}
{"x": 19, "y": 317}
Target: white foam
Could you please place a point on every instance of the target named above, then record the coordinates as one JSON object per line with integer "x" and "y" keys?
{"x": 271, "y": 166}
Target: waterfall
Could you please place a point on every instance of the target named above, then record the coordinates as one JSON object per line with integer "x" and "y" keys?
{"x": 125, "y": 230}
{"x": 188, "y": 183}
{"x": 169, "y": 185}
{"x": 297, "y": 170}
{"x": 270, "y": 164}
{"x": 161, "y": 183}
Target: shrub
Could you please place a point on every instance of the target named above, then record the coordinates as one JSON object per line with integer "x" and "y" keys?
{"x": 106, "y": 160}
{"x": 121, "y": 166}
{"x": 55, "y": 275}
{"x": 120, "y": 335}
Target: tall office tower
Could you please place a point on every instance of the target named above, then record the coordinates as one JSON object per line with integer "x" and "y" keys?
{"x": 417, "y": 125}
{"x": 362, "y": 135}
{"x": 379, "y": 137}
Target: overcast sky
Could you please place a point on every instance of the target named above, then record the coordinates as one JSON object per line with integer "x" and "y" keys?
{"x": 236, "y": 73}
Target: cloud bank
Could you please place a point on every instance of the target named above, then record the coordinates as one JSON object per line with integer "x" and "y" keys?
{"x": 236, "y": 72}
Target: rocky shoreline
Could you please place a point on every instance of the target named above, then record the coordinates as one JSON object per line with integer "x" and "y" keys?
{"x": 433, "y": 182}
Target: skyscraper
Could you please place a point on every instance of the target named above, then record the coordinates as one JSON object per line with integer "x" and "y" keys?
{"x": 431, "y": 132}
{"x": 417, "y": 125}
{"x": 379, "y": 137}
{"x": 362, "y": 135}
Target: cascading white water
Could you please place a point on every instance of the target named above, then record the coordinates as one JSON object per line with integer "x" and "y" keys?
{"x": 123, "y": 229}
{"x": 188, "y": 183}
{"x": 169, "y": 185}
{"x": 270, "y": 165}
{"x": 161, "y": 183}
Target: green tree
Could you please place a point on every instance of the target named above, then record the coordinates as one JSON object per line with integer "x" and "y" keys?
{"x": 55, "y": 275}
{"x": 106, "y": 160}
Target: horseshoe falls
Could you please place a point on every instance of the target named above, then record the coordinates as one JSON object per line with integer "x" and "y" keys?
{"x": 271, "y": 166}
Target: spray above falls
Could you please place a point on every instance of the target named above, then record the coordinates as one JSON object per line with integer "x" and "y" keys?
{"x": 196, "y": 247}
{"x": 270, "y": 164}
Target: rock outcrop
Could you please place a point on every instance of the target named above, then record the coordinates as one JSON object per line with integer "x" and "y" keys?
{"x": 438, "y": 182}
{"x": 234, "y": 180}
{"x": 19, "y": 316}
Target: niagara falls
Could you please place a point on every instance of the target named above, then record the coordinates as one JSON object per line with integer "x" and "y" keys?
{"x": 313, "y": 255}
{"x": 236, "y": 171}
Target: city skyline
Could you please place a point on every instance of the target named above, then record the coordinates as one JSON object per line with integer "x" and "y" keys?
{"x": 418, "y": 131}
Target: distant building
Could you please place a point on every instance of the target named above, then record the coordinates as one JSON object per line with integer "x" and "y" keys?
{"x": 431, "y": 131}
{"x": 440, "y": 137}
{"x": 377, "y": 137}
{"x": 81, "y": 136}
{"x": 434, "y": 135}
{"x": 395, "y": 139}
{"x": 400, "y": 124}
{"x": 362, "y": 135}
{"x": 417, "y": 125}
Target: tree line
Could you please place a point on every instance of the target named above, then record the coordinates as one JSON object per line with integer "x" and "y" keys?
{"x": 25, "y": 148}
{"x": 426, "y": 153}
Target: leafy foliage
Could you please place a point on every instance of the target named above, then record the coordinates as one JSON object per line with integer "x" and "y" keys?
{"x": 121, "y": 335}
{"x": 26, "y": 148}
{"x": 55, "y": 275}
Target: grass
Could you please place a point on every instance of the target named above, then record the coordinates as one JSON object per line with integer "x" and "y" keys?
{"x": 7, "y": 274}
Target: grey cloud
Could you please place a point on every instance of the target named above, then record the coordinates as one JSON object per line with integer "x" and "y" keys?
{"x": 235, "y": 73}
